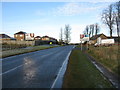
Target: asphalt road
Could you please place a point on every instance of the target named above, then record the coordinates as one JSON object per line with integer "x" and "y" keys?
{"x": 33, "y": 70}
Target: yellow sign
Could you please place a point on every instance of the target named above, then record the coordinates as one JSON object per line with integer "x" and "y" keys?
{"x": 50, "y": 42}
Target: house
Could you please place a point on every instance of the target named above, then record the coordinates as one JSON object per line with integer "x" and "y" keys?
{"x": 29, "y": 36}
{"x": 37, "y": 38}
{"x": 95, "y": 38}
{"x": 6, "y": 37}
{"x": 20, "y": 36}
{"x": 48, "y": 39}
{"x": 45, "y": 38}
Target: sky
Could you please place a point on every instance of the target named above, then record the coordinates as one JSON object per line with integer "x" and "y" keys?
{"x": 47, "y": 18}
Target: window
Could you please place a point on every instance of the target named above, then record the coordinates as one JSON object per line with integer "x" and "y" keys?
{"x": 21, "y": 35}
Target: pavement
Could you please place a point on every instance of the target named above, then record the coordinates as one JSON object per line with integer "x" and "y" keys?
{"x": 34, "y": 70}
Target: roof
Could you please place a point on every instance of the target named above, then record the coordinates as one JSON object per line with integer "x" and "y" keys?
{"x": 45, "y": 37}
{"x": 4, "y": 36}
{"x": 112, "y": 37}
{"x": 115, "y": 38}
{"x": 96, "y": 36}
{"x": 21, "y": 32}
{"x": 37, "y": 37}
{"x": 51, "y": 38}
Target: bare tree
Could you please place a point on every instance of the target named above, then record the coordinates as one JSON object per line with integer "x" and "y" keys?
{"x": 117, "y": 11}
{"x": 84, "y": 32}
{"x": 92, "y": 29}
{"x": 61, "y": 36}
{"x": 87, "y": 29}
{"x": 89, "y": 32}
{"x": 108, "y": 18}
{"x": 97, "y": 28}
{"x": 67, "y": 33}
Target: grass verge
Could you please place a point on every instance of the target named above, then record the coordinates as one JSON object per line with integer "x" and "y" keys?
{"x": 22, "y": 51}
{"x": 107, "y": 56}
{"x": 81, "y": 73}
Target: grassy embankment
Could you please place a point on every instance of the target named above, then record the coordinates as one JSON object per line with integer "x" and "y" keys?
{"x": 107, "y": 56}
{"x": 23, "y": 50}
{"x": 81, "y": 73}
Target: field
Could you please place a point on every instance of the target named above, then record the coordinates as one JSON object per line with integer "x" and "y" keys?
{"x": 81, "y": 73}
{"x": 107, "y": 56}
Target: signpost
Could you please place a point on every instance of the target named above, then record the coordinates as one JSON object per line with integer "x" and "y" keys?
{"x": 84, "y": 38}
{"x": 87, "y": 39}
{"x": 81, "y": 37}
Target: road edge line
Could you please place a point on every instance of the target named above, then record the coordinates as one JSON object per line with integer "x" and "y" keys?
{"x": 60, "y": 70}
{"x": 67, "y": 58}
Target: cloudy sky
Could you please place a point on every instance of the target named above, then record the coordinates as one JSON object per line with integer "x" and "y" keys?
{"x": 46, "y": 18}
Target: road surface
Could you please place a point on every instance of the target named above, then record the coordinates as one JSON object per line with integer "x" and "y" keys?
{"x": 33, "y": 70}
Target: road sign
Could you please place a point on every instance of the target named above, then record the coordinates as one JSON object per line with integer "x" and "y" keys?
{"x": 84, "y": 38}
{"x": 81, "y": 36}
{"x": 86, "y": 35}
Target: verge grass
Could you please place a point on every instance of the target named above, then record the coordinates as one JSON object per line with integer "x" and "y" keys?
{"x": 81, "y": 73}
{"x": 107, "y": 56}
{"x": 23, "y": 50}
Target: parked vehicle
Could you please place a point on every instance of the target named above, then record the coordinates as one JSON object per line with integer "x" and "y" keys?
{"x": 105, "y": 42}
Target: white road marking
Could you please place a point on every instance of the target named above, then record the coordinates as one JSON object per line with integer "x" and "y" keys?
{"x": 11, "y": 69}
{"x": 25, "y": 63}
{"x": 74, "y": 46}
{"x": 105, "y": 77}
{"x": 96, "y": 65}
{"x": 46, "y": 55}
{"x": 60, "y": 70}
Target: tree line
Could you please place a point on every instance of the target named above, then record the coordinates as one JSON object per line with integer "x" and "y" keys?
{"x": 110, "y": 17}
{"x": 92, "y": 29}
{"x": 65, "y": 35}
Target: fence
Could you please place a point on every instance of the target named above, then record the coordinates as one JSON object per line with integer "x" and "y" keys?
{"x": 11, "y": 44}
{"x": 8, "y": 45}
